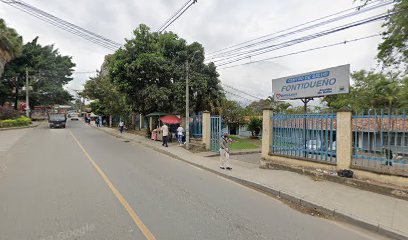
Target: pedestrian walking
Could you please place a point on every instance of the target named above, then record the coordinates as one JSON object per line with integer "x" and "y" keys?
{"x": 121, "y": 126}
{"x": 97, "y": 122}
{"x": 180, "y": 131}
{"x": 165, "y": 131}
{"x": 225, "y": 152}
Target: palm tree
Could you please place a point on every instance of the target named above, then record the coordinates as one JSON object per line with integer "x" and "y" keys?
{"x": 10, "y": 44}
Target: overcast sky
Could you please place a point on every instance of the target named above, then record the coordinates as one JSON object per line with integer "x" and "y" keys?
{"x": 214, "y": 23}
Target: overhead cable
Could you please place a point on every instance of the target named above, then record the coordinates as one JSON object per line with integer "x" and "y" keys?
{"x": 233, "y": 88}
{"x": 263, "y": 50}
{"x": 64, "y": 25}
{"x": 358, "y": 10}
{"x": 175, "y": 16}
{"x": 303, "y": 51}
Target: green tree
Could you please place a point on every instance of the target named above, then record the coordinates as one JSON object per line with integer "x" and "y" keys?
{"x": 232, "y": 112}
{"x": 255, "y": 126}
{"x": 150, "y": 70}
{"x": 107, "y": 100}
{"x": 10, "y": 45}
{"x": 394, "y": 48}
{"x": 49, "y": 71}
{"x": 370, "y": 91}
{"x": 256, "y": 107}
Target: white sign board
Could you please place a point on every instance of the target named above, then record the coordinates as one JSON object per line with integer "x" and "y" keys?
{"x": 319, "y": 83}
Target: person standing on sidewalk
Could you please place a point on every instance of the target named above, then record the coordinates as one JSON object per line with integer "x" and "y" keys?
{"x": 180, "y": 131}
{"x": 97, "y": 122}
{"x": 224, "y": 152}
{"x": 165, "y": 130}
{"x": 121, "y": 126}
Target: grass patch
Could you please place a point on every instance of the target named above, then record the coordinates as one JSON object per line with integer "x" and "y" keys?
{"x": 244, "y": 143}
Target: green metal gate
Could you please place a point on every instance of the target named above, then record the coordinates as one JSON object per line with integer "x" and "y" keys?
{"x": 216, "y": 133}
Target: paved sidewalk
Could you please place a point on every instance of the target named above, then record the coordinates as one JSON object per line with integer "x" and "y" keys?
{"x": 378, "y": 212}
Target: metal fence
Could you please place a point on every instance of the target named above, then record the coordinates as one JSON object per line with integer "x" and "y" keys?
{"x": 306, "y": 136}
{"x": 380, "y": 142}
{"x": 196, "y": 126}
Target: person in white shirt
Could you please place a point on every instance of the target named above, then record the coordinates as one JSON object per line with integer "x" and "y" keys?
{"x": 180, "y": 131}
{"x": 225, "y": 152}
{"x": 121, "y": 126}
{"x": 165, "y": 130}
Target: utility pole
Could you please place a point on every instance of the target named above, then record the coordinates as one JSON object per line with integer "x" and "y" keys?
{"x": 16, "y": 94}
{"x": 188, "y": 102}
{"x": 27, "y": 96}
{"x": 187, "y": 110}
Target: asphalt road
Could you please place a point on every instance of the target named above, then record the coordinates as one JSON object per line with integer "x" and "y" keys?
{"x": 80, "y": 183}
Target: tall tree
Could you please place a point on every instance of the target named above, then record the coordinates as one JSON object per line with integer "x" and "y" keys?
{"x": 108, "y": 100}
{"x": 10, "y": 44}
{"x": 232, "y": 112}
{"x": 278, "y": 106}
{"x": 394, "y": 48}
{"x": 49, "y": 71}
{"x": 370, "y": 91}
{"x": 151, "y": 71}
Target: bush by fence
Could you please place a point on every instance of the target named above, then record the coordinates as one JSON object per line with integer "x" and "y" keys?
{"x": 21, "y": 121}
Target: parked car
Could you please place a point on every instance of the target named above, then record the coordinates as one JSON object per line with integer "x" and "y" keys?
{"x": 316, "y": 147}
{"x": 313, "y": 145}
{"x": 74, "y": 116}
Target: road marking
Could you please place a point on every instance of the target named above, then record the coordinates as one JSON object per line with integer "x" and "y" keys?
{"x": 146, "y": 232}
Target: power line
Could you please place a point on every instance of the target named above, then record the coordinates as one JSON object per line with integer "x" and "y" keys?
{"x": 233, "y": 88}
{"x": 360, "y": 9}
{"x": 171, "y": 17}
{"x": 307, "y": 37}
{"x": 270, "y": 48}
{"x": 62, "y": 24}
{"x": 228, "y": 92}
{"x": 175, "y": 16}
{"x": 303, "y": 51}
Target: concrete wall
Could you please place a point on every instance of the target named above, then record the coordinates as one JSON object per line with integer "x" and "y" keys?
{"x": 207, "y": 129}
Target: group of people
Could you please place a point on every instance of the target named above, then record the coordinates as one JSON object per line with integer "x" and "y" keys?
{"x": 224, "y": 143}
{"x": 165, "y": 131}
{"x": 98, "y": 120}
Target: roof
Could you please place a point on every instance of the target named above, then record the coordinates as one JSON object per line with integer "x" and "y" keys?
{"x": 155, "y": 114}
{"x": 360, "y": 124}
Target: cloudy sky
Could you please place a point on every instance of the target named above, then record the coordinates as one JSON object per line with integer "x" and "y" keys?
{"x": 214, "y": 23}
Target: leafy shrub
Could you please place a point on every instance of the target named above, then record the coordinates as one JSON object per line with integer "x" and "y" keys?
{"x": 8, "y": 113}
{"x": 21, "y": 121}
{"x": 255, "y": 126}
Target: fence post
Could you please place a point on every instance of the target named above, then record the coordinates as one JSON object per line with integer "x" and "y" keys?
{"x": 207, "y": 129}
{"x": 344, "y": 138}
{"x": 266, "y": 131}
{"x": 141, "y": 119}
{"x": 133, "y": 120}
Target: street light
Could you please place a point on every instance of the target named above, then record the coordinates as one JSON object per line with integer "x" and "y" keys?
{"x": 188, "y": 104}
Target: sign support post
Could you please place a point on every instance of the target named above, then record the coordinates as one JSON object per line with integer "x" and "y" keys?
{"x": 305, "y": 102}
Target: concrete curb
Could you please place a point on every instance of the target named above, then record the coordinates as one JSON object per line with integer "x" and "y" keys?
{"x": 279, "y": 194}
{"x": 350, "y": 182}
{"x": 22, "y": 127}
